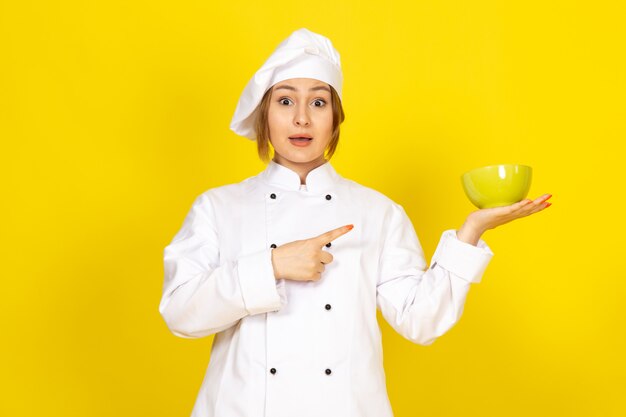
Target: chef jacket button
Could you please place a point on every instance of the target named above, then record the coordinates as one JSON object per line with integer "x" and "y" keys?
{"x": 273, "y": 246}
{"x": 328, "y": 197}
{"x": 328, "y": 245}
{"x": 328, "y": 307}
{"x": 273, "y": 196}
{"x": 328, "y": 371}
{"x": 273, "y": 370}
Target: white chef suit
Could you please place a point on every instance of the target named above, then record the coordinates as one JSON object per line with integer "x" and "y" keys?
{"x": 285, "y": 348}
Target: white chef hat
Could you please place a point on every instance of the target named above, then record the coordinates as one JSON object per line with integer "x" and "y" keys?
{"x": 304, "y": 54}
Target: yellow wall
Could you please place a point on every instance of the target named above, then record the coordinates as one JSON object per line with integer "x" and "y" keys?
{"x": 114, "y": 117}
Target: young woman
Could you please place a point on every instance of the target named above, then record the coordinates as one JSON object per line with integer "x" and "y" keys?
{"x": 288, "y": 268}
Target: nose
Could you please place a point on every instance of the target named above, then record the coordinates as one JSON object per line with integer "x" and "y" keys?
{"x": 301, "y": 118}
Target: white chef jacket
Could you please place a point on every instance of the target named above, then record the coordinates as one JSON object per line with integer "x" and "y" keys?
{"x": 285, "y": 348}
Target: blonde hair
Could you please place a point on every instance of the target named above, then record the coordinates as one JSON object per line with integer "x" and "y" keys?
{"x": 263, "y": 131}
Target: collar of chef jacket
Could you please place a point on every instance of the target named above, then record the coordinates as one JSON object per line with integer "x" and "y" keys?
{"x": 317, "y": 180}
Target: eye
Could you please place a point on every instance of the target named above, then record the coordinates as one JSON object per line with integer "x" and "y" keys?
{"x": 283, "y": 100}
{"x": 321, "y": 102}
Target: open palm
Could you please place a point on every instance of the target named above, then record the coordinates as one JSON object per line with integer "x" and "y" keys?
{"x": 490, "y": 218}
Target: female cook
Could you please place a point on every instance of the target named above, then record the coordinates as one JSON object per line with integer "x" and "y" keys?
{"x": 287, "y": 268}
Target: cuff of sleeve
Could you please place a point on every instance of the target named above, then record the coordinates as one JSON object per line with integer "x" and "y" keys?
{"x": 462, "y": 259}
{"x": 260, "y": 290}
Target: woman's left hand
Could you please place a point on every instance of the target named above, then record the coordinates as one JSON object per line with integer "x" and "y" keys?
{"x": 482, "y": 220}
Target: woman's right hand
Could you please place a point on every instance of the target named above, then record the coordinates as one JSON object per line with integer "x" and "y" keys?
{"x": 304, "y": 260}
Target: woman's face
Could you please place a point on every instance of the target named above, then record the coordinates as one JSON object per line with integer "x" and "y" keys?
{"x": 300, "y": 107}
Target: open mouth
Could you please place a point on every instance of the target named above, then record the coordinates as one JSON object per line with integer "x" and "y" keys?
{"x": 300, "y": 140}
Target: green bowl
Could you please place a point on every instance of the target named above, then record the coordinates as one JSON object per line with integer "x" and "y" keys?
{"x": 497, "y": 185}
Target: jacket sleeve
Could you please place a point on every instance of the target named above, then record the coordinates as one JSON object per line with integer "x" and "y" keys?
{"x": 203, "y": 295}
{"x": 423, "y": 303}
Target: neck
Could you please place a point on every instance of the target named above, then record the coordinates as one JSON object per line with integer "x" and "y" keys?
{"x": 300, "y": 168}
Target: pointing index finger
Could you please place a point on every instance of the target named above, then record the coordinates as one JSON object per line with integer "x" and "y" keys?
{"x": 331, "y": 235}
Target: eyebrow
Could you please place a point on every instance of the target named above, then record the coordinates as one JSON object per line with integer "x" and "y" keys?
{"x": 288, "y": 87}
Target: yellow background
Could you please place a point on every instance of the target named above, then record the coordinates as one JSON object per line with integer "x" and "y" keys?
{"x": 114, "y": 117}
